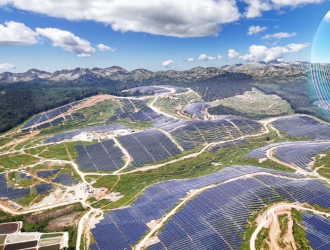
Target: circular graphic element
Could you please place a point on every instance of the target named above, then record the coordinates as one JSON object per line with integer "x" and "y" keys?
{"x": 320, "y": 62}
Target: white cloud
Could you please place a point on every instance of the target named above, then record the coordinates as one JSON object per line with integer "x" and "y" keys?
{"x": 219, "y": 57}
{"x": 327, "y": 17}
{"x": 279, "y": 35}
{"x": 296, "y": 47}
{"x": 167, "y": 63}
{"x": 103, "y": 47}
{"x": 232, "y": 54}
{"x": 190, "y": 59}
{"x": 293, "y": 3}
{"x": 205, "y": 57}
{"x": 183, "y": 18}
{"x": 14, "y": 34}
{"x": 179, "y": 65}
{"x": 256, "y": 7}
{"x": 260, "y": 52}
{"x": 6, "y": 66}
{"x": 67, "y": 41}
{"x": 256, "y": 29}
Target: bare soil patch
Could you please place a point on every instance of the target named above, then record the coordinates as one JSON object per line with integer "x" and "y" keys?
{"x": 33, "y": 219}
{"x": 64, "y": 222}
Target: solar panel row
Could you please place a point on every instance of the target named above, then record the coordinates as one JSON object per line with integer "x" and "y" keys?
{"x": 303, "y": 126}
{"x": 215, "y": 219}
{"x": 301, "y": 155}
{"x": 196, "y": 109}
{"x": 103, "y": 156}
{"x": 148, "y": 146}
{"x": 190, "y": 134}
{"x": 318, "y": 231}
{"x": 50, "y": 115}
{"x": 43, "y": 188}
{"x": 225, "y": 208}
{"x": 228, "y": 144}
{"x": 10, "y": 192}
{"x": 149, "y": 90}
{"x": 65, "y": 179}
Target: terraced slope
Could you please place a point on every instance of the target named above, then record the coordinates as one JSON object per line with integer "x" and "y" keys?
{"x": 214, "y": 219}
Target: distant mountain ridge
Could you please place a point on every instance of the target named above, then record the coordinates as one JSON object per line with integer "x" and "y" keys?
{"x": 116, "y": 73}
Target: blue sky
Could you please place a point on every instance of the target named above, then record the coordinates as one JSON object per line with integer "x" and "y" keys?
{"x": 155, "y": 35}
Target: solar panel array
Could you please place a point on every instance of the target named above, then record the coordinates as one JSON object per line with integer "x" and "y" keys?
{"x": 149, "y": 90}
{"x": 10, "y": 192}
{"x": 135, "y": 110}
{"x": 47, "y": 173}
{"x": 216, "y": 218}
{"x": 196, "y": 109}
{"x": 43, "y": 188}
{"x": 303, "y": 126}
{"x": 120, "y": 229}
{"x": 55, "y": 122}
{"x": 97, "y": 129}
{"x": 261, "y": 152}
{"x": 191, "y": 134}
{"x": 252, "y": 170}
{"x": 50, "y": 114}
{"x": 148, "y": 146}
{"x": 225, "y": 208}
{"x": 103, "y": 156}
{"x": 318, "y": 231}
{"x": 177, "y": 88}
{"x": 299, "y": 154}
{"x": 228, "y": 144}
{"x": 65, "y": 179}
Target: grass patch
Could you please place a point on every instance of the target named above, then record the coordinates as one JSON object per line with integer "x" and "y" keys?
{"x": 262, "y": 240}
{"x": 254, "y": 105}
{"x": 4, "y": 140}
{"x": 101, "y": 111}
{"x": 106, "y": 181}
{"x": 298, "y": 232}
{"x": 283, "y": 221}
{"x": 101, "y": 203}
{"x": 131, "y": 184}
{"x": 177, "y": 102}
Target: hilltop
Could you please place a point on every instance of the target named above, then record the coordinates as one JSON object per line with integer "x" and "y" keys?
{"x": 116, "y": 73}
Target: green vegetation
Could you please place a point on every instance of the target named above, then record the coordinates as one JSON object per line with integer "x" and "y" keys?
{"x": 131, "y": 185}
{"x": 298, "y": 231}
{"x": 22, "y": 182}
{"x": 283, "y": 221}
{"x": 59, "y": 151}
{"x": 300, "y": 94}
{"x": 263, "y": 240}
{"x": 4, "y": 140}
{"x": 253, "y": 104}
{"x": 91, "y": 199}
{"x": 135, "y": 124}
{"x": 176, "y": 103}
{"x": 6, "y": 162}
{"x": 251, "y": 227}
{"x": 101, "y": 203}
{"x": 106, "y": 181}
{"x": 20, "y": 101}
{"x": 101, "y": 111}
{"x": 16, "y": 160}
{"x": 28, "y": 199}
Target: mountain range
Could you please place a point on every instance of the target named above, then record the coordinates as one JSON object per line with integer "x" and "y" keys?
{"x": 116, "y": 73}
